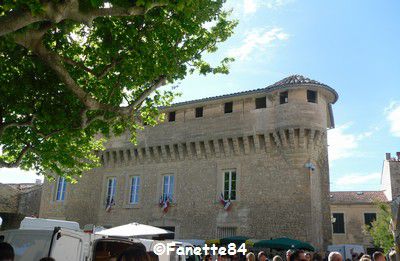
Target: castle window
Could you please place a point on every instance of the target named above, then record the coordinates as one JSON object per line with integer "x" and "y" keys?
{"x": 171, "y": 116}
{"x": 230, "y": 185}
{"x": 283, "y": 97}
{"x": 261, "y": 102}
{"x": 312, "y": 96}
{"x": 338, "y": 223}
{"x": 168, "y": 187}
{"x": 228, "y": 108}
{"x": 369, "y": 218}
{"x": 61, "y": 186}
{"x": 135, "y": 185}
{"x": 111, "y": 189}
{"x": 199, "y": 112}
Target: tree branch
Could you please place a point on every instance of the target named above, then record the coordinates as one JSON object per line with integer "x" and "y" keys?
{"x": 17, "y": 161}
{"x": 161, "y": 81}
{"x": 33, "y": 40}
{"x": 67, "y": 10}
{"x": 5, "y": 126}
{"x": 17, "y": 20}
{"x": 78, "y": 64}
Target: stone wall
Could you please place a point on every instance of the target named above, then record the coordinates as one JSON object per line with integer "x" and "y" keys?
{"x": 354, "y": 224}
{"x": 18, "y": 201}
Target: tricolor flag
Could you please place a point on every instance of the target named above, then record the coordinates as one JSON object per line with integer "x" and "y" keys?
{"x": 110, "y": 203}
{"x": 226, "y": 203}
{"x": 165, "y": 205}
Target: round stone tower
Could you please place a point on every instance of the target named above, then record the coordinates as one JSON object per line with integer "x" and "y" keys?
{"x": 301, "y": 115}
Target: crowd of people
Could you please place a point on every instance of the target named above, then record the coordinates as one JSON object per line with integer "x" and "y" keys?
{"x": 300, "y": 255}
{"x": 138, "y": 252}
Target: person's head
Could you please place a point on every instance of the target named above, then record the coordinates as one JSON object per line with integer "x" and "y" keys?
{"x": 47, "y": 259}
{"x": 378, "y": 256}
{"x": 392, "y": 255}
{"x": 136, "y": 252}
{"x": 261, "y": 256}
{"x": 207, "y": 258}
{"x": 225, "y": 258}
{"x": 289, "y": 253}
{"x": 317, "y": 257}
{"x": 298, "y": 255}
{"x": 250, "y": 257}
{"x": 277, "y": 258}
{"x": 235, "y": 257}
{"x": 152, "y": 256}
{"x": 335, "y": 256}
{"x": 365, "y": 258}
{"x": 6, "y": 252}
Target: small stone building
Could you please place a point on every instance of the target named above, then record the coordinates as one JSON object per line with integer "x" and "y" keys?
{"x": 351, "y": 212}
{"x": 18, "y": 201}
{"x": 262, "y": 152}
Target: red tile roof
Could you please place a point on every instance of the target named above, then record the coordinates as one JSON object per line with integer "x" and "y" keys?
{"x": 357, "y": 197}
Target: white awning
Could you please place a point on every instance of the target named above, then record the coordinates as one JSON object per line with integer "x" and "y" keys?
{"x": 133, "y": 230}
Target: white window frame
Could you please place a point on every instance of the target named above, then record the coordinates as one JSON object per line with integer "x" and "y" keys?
{"x": 113, "y": 189}
{"x": 61, "y": 191}
{"x": 170, "y": 187}
{"x": 229, "y": 197}
{"x": 134, "y": 190}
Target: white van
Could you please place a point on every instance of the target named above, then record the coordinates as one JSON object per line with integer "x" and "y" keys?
{"x": 64, "y": 241}
{"x": 347, "y": 250}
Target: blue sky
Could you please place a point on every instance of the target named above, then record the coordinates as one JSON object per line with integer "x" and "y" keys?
{"x": 353, "y": 46}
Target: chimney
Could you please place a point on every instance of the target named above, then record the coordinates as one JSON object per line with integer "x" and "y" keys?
{"x": 388, "y": 156}
{"x": 398, "y": 155}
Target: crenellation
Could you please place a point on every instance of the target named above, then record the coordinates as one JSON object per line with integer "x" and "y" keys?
{"x": 199, "y": 152}
{"x": 292, "y": 138}
{"x": 171, "y": 151}
{"x": 276, "y": 139}
{"x": 193, "y": 151}
{"x": 302, "y": 138}
{"x": 311, "y": 138}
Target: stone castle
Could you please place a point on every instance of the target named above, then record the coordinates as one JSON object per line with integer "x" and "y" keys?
{"x": 262, "y": 152}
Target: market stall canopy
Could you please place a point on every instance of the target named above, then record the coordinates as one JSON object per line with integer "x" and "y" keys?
{"x": 283, "y": 243}
{"x": 234, "y": 239}
{"x": 133, "y": 230}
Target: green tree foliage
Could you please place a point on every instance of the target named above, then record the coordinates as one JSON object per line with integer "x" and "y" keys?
{"x": 72, "y": 69}
{"x": 380, "y": 229}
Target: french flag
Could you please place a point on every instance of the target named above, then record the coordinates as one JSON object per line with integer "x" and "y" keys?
{"x": 165, "y": 205}
{"x": 225, "y": 203}
{"x": 109, "y": 205}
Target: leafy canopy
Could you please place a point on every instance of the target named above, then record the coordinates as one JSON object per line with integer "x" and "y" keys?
{"x": 380, "y": 229}
{"x": 72, "y": 69}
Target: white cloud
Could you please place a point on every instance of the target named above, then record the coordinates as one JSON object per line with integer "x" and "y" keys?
{"x": 249, "y": 6}
{"x": 343, "y": 144}
{"x": 357, "y": 179}
{"x": 257, "y": 40}
{"x": 393, "y": 116}
{"x": 16, "y": 175}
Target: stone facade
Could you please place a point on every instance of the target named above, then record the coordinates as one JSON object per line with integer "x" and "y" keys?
{"x": 354, "y": 206}
{"x": 390, "y": 178}
{"x": 18, "y": 201}
{"x": 279, "y": 154}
